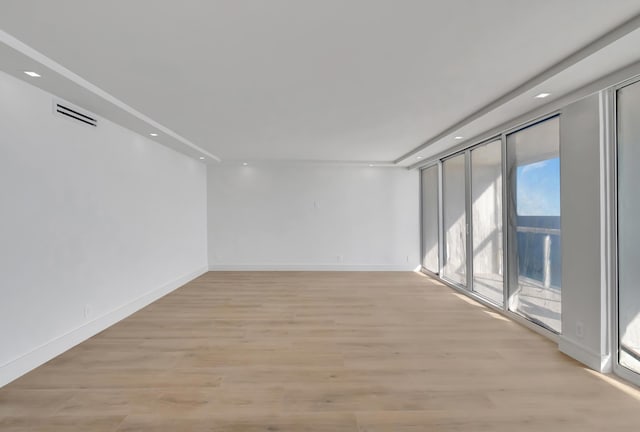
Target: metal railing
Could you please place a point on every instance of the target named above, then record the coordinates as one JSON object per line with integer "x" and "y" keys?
{"x": 546, "y": 249}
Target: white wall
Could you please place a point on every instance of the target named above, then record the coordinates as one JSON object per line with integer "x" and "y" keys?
{"x": 584, "y": 320}
{"x": 430, "y": 227}
{"x": 94, "y": 223}
{"x": 304, "y": 216}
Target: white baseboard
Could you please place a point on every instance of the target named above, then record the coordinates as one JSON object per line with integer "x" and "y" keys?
{"x": 309, "y": 267}
{"x": 597, "y": 362}
{"x": 42, "y": 354}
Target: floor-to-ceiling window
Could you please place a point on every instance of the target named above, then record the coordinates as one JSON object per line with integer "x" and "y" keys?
{"x": 481, "y": 235}
{"x": 628, "y": 125}
{"x": 486, "y": 208}
{"x": 533, "y": 163}
{"x": 454, "y": 266}
{"x": 429, "y": 188}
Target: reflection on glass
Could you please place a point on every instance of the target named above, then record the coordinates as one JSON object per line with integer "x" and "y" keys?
{"x": 486, "y": 200}
{"x": 430, "y": 218}
{"x": 454, "y": 220}
{"x": 534, "y": 218}
{"x": 628, "y": 232}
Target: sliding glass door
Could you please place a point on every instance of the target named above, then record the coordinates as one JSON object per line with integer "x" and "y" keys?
{"x": 533, "y": 163}
{"x": 628, "y": 119}
{"x": 476, "y": 230}
{"x": 429, "y": 189}
{"x": 454, "y": 215}
{"x": 486, "y": 208}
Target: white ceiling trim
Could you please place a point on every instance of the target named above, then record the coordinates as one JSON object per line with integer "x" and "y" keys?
{"x": 50, "y": 64}
{"x": 309, "y": 162}
{"x": 586, "y": 51}
{"x": 555, "y": 107}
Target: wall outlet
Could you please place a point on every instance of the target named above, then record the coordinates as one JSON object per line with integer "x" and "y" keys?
{"x": 316, "y": 204}
{"x": 407, "y": 258}
{"x": 579, "y": 329}
{"x": 340, "y": 258}
{"x": 88, "y": 311}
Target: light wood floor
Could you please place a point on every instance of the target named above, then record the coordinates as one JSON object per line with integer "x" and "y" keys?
{"x": 334, "y": 352}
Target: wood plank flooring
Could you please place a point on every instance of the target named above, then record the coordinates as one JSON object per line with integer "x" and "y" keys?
{"x": 331, "y": 352}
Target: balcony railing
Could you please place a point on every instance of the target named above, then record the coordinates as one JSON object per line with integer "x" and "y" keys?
{"x": 530, "y": 269}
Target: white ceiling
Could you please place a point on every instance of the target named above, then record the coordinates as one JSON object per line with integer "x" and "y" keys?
{"x": 310, "y": 80}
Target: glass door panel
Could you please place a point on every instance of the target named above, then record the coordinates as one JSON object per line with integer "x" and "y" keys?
{"x": 628, "y": 115}
{"x": 454, "y": 267}
{"x": 533, "y": 161}
{"x": 486, "y": 207}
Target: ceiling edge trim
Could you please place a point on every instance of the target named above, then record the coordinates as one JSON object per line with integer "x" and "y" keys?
{"x": 555, "y": 107}
{"x": 584, "y": 52}
{"x": 308, "y": 162}
{"x": 37, "y": 56}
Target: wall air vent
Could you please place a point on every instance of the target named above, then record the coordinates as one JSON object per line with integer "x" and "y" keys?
{"x": 69, "y": 111}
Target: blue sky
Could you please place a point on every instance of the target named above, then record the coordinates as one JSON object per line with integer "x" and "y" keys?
{"x": 538, "y": 190}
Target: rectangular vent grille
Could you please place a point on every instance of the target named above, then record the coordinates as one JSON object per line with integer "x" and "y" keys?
{"x": 66, "y": 110}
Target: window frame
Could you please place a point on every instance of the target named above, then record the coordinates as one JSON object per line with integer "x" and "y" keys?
{"x": 612, "y": 229}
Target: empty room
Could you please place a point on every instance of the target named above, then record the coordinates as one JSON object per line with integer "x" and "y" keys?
{"x": 323, "y": 216}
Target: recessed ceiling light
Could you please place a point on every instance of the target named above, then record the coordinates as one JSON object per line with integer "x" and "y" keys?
{"x": 201, "y": 157}
{"x": 458, "y": 138}
{"x": 419, "y": 157}
{"x": 32, "y": 74}
{"x": 153, "y": 134}
{"x": 370, "y": 165}
{"x": 543, "y": 95}
{"x": 244, "y": 164}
